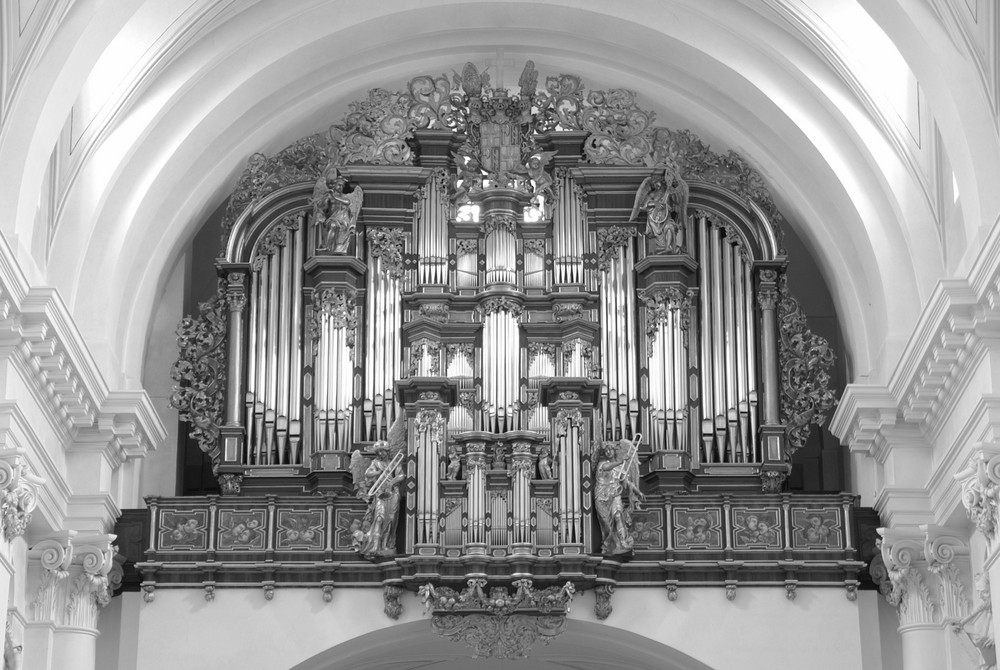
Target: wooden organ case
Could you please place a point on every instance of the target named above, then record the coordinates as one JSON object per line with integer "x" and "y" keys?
{"x": 505, "y": 281}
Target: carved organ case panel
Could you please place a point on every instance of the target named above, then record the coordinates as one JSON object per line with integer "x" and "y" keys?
{"x": 515, "y": 278}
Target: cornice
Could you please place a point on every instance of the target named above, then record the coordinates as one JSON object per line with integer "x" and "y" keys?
{"x": 36, "y": 324}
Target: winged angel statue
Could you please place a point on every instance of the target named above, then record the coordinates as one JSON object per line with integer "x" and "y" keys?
{"x": 617, "y": 472}
{"x": 376, "y": 481}
{"x": 335, "y": 213}
{"x": 663, "y": 195}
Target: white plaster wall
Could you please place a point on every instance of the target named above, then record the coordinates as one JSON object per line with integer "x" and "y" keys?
{"x": 760, "y": 629}
{"x": 159, "y": 468}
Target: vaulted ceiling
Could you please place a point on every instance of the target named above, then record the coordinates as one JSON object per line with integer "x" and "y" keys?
{"x": 125, "y": 123}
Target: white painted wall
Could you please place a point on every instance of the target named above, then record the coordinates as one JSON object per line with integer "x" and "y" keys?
{"x": 761, "y": 629}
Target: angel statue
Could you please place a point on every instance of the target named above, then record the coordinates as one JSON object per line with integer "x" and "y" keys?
{"x": 376, "y": 481}
{"x": 663, "y": 195}
{"x": 617, "y": 471}
{"x": 535, "y": 169}
{"x": 335, "y": 213}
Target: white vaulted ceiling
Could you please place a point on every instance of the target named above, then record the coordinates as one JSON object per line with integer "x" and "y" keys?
{"x": 125, "y": 123}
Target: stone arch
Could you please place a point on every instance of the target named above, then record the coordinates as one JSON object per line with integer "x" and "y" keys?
{"x": 583, "y": 645}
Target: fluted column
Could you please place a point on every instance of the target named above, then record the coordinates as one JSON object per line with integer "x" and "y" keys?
{"x": 68, "y": 573}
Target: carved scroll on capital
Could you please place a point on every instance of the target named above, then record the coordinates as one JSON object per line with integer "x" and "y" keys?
{"x": 907, "y": 570}
{"x": 18, "y": 493}
{"x": 74, "y": 582}
{"x": 980, "y": 480}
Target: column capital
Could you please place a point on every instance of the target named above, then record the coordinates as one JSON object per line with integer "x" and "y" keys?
{"x": 926, "y": 568}
{"x": 980, "y": 482}
{"x": 902, "y": 551}
{"x": 73, "y": 584}
{"x": 18, "y": 492}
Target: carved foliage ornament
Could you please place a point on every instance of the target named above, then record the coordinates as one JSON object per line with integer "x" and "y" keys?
{"x": 660, "y": 304}
{"x": 387, "y": 245}
{"x": 376, "y": 129}
{"x": 18, "y": 495}
{"x": 199, "y": 374}
{"x": 337, "y": 305}
{"x": 805, "y": 360}
{"x": 980, "y": 481}
{"x": 609, "y": 241}
{"x": 275, "y": 238}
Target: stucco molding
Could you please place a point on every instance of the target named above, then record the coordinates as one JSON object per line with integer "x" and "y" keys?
{"x": 39, "y": 337}
{"x": 73, "y": 583}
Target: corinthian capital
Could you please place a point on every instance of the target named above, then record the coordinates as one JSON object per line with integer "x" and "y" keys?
{"x": 909, "y": 576}
{"x": 18, "y": 493}
{"x": 980, "y": 481}
{"x": 74, "y": 583}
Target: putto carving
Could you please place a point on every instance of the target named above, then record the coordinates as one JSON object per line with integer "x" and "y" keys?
{"x": 199, "y": 375}
{"x": 663, "y": 195}
{"x": 387, "y": 245}
{"x": 805, "y": 360}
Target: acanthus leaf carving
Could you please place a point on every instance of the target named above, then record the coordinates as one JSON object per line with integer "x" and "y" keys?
{"x": 388, "y": 245}
{"x": 18, "y": 493}
{"x": 805, "y": 361}
{"x": 199, "y": 374}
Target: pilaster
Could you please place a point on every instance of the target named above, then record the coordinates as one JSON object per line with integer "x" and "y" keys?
{"x": 69, "y": 579}
{"x": 927, "y": 577}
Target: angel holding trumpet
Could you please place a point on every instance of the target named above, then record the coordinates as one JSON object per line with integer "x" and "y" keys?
{"x": 376, "y": 481}
{"x": 617, "y": 472}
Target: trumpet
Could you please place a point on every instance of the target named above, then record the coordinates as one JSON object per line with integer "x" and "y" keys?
{"x": 385, "y": 475}
{"x": 633, "y": 454}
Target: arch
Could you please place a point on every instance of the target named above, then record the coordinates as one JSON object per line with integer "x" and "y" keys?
{"x": 583, "y": 645}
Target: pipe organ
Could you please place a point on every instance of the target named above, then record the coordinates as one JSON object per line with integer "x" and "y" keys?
{"x": 515, "y": 288}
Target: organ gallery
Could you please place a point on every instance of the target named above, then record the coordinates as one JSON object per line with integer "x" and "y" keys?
{"x": 519, "y": 341}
